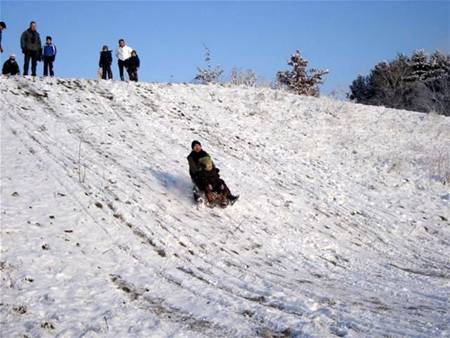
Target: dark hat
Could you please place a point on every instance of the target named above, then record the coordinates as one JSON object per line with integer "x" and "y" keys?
{"x": 48, "y": 37}
{"x": 2, "y": 24}
{"x": 194, "y": 143}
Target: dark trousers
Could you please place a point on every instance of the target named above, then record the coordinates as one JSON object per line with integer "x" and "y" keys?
{"x": 30, "y": 55}
{"x": 48, "y": 65}
{"x": 219, "y": 192}
{"x": 122, "y": 65}
{"x": 133, "y": 75}
{"x": 106, "y": 72}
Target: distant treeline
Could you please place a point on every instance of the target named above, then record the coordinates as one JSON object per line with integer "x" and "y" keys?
{"x": 419, "y": 83}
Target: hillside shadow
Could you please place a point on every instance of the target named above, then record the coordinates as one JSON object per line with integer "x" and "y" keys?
{"x": 178, "y": 184}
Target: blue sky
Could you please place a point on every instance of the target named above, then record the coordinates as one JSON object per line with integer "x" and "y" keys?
{"x": 346, "y": 37}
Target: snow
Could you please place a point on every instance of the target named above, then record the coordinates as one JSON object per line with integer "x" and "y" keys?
{"x": 342, "y": 228}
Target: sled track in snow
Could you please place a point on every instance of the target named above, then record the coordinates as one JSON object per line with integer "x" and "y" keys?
{"x": 326, "y": 240}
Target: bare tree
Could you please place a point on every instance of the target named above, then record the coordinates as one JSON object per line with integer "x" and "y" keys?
{"x": 433, "y": 96}
{"x": 245, "y": 77}
{"x": 389, "y": 83}
{"x": 208, "y": 74}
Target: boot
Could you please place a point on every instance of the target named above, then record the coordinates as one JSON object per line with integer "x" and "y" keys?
{"x": 232, "y": 199}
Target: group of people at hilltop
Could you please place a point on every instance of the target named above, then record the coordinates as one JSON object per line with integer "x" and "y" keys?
{"x": 34, "y": 52}
{"x": 127, "y": 58}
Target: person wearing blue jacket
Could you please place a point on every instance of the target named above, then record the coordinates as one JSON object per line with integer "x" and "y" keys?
{"x": 49, "y": 52}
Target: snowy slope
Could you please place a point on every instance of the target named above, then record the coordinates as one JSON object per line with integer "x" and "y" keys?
{"x": 342, "y": 228}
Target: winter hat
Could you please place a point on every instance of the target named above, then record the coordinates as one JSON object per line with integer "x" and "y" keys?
{"x": 3, "y": 24}
{"x": 105, "y": 47}
{"x": 206, "y": 163}
{"x": 12, "y": 56}
{"x": 194, "y": 143}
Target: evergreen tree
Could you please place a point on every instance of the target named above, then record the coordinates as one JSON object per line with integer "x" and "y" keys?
{"x": 439, "y": 65}
{"x": 361, "y": 89}
{"x": 420, "y": 66}
{"x": 299, "y": 80}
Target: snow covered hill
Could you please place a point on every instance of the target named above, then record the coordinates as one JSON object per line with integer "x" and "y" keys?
{"x": 342, "y": 228}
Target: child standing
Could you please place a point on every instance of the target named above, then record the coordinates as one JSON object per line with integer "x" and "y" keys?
{"x": 133, "y": 64}
{"x": 49, "y": 56}
{"x": 105, "y": 63}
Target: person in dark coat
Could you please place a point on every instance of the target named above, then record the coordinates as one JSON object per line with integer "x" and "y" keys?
{"x": 105, "y": 63}
{"x": 198, "y": 161}
{"x": 49, "y": 56}
{"x": 195, "y": 168}
{"x": 133, "y": 64}
{"x": 193, "y": 159}
{"x": 10, "y": 67}
{"x": 2, "y": 27}
{"x": 30, "y": 42}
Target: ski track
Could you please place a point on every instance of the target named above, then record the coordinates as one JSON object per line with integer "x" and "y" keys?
{"x": 341, "y": 229}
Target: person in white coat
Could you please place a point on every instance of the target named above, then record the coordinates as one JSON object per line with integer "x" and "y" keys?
{"x": 123, "y": 53}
